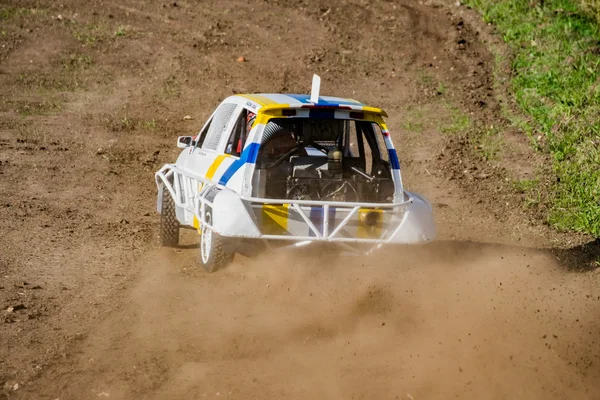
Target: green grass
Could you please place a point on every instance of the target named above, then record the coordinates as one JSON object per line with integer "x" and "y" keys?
{"x": 120, "y": 31}
{"x": 592, "y": 7}
{"x": 414, "y": 119}
{"x": 11, "y": 12}
{"x": 556, "y": 84}
{"x": 531, "y": 189}
{"x": 458, "y": 122}
{"x": 150, "y": 125}
{"x": 489, "y": 142}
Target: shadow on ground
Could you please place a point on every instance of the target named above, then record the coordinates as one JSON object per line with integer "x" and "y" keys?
{"x": 582, "y": 258}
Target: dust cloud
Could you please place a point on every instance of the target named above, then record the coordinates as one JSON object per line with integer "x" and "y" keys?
{"x": 428, "y": 322}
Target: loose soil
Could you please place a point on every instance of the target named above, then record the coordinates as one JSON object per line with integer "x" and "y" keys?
{"x": 94, "y": 94}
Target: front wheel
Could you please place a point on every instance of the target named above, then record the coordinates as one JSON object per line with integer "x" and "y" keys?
{"x": 169, "y": 226}
{"x": 213, "y": 254}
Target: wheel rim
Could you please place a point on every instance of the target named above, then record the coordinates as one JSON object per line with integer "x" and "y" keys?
{"x": 206, "y": 241}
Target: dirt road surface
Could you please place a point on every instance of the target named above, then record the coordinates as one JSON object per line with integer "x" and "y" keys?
{"x": 93, "y": 95}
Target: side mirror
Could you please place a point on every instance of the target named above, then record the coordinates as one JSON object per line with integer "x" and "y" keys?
{"x": 184, "y": 141}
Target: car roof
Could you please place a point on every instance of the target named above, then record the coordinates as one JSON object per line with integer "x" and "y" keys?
{"x": 281, "y": 100}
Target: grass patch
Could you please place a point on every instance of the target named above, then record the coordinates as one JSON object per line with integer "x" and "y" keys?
{"x": 125, "y": 124}
{"x": 26, "y": 109}
{"x": 120, "y": 31}
{"x": 76, "y": 61}
{"x": 413, "y": 122}
{"x": 89, "y": 35}
{"x": 7, "y": 13}
{"x": 458, "y": 121}
{"x": 556, "y": 84}
{"x": 441, "y": 89}
{"x": 171, "y": 87}
{"x": 592, "y": 7}
{"x": 425, "y": 78}
{"x": 531, "y": 189}
{"x": 48, "y": 82}
{"x": 150, "y": 125}
{"x": 489, "y": 142}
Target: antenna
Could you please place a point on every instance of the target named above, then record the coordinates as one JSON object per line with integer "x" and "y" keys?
{"x": 316, "y": 87}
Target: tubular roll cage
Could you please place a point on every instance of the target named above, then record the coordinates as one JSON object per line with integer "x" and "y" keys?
{"x": 197, "y": 203}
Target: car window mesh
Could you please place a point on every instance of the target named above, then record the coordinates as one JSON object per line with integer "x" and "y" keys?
{"x": 218, "y": 126}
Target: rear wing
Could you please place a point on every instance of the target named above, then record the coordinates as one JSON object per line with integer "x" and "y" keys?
{"x": 323, "y": 110}
{"x": 292, "y": 109}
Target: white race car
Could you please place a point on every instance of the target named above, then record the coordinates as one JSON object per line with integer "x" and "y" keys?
{"x": 269, "y": 168}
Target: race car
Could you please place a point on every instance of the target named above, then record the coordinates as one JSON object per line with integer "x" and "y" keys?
{"x": 289, "y": 168}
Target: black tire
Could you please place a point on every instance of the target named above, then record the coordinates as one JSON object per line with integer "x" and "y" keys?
{"x": 169, "y": 226}
{"x": 213, "y": 252}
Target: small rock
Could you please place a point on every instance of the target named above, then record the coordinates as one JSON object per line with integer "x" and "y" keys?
{"x": 15, "y": 387}
{"x": 16, "y": 307}
{"x": 187, "y": 118}
{"x": 241, "y": 59}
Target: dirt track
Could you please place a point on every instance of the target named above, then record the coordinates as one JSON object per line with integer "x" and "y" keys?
{"x": 93, "y": 96}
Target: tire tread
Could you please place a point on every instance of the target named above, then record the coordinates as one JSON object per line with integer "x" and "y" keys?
{"x": 169, "y": 226}
{"x": 220, "y": 257}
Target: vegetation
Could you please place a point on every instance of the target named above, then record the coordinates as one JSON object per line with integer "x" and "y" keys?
{"x": 592, "y": 7}
{"x": 457, "y": 121}
{"x": 556, "y": 84}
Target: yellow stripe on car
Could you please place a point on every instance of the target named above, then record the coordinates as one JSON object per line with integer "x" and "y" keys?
{"x": 265, "y": 114}
{"x": 274, "y": 219}
{"x": 257, "y": 98}
{"x": 215, "y": 166}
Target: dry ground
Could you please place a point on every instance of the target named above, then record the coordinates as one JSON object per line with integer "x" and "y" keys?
{"x": 93, "y": 95}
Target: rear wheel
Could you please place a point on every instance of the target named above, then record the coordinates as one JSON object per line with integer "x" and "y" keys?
{"x": 169, "y": 226}
{"x": 213, "y": 252}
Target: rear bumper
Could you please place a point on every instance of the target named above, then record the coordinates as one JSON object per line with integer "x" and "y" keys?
{"x": 406, "y": 222}
{"x": 232, "y": 215}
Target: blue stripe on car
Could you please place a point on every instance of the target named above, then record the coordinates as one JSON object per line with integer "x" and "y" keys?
{"x": 394, "y": 159}
{"x": 248, "y": 156}
{"x": 302, "y": 98}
